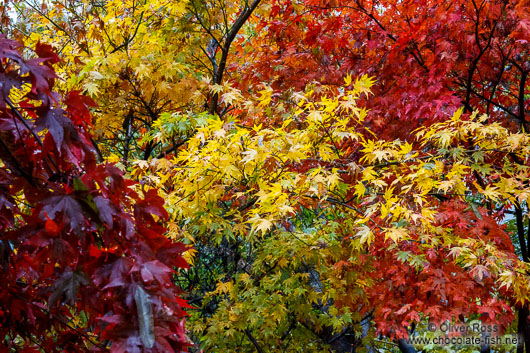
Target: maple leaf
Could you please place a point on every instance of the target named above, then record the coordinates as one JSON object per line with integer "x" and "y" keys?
{"x": 396, "y": 234}
{"x": 57, "y": 124}
{"x": 155, "y": 270}
{"x": 106, "y": 210}
{"x": 78, "y": 108}
{"x": 92, "y": 88}
{"x": 67, "y": 205}
{"x": 264, "y": 225}
{"x": 68, "y": 285}
{"x": 46, "y": 51}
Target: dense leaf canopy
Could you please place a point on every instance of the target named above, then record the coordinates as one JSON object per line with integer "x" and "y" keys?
{"x": 339, "y": 175}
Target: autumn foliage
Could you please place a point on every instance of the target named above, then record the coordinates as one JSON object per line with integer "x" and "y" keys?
{"x": 429, "y": 58}
{"x": 343, "y": 174}
{"x": 85, "y": 263}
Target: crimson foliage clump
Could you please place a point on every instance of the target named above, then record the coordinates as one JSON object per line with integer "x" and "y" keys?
{"x": 84, "y": 260}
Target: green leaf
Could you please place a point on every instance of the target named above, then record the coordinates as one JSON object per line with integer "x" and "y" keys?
{"x": 403, "y": 256}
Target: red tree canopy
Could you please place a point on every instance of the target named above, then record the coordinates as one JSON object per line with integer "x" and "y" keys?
{"x": 428, "y": 58}
{"x": 84, "y": 260}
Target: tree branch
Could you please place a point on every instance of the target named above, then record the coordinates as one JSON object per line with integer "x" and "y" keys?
{"x": 253, "y": 340}
{"x": 243, "y": 17}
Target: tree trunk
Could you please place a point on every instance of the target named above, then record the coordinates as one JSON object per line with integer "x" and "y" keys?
{"x": 523, "y": 331}
{"x": 405, "y": 347}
